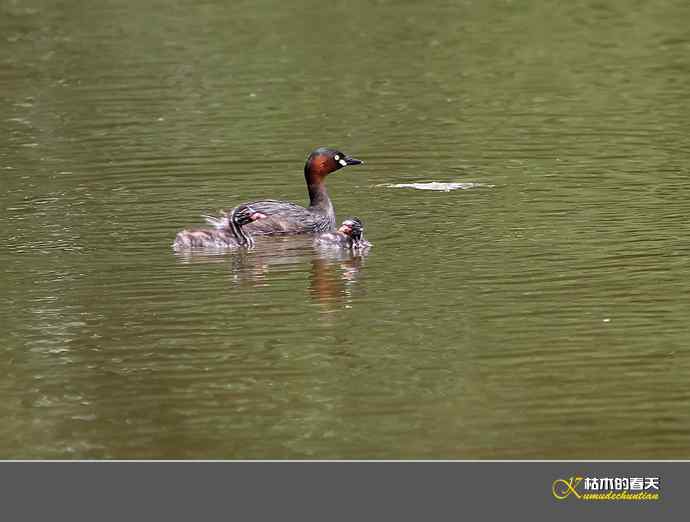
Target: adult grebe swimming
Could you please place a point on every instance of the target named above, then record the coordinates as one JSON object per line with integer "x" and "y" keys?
{"x": 231, "y": 236}
{"x": 284, "y": 217}
{"x": 350, "y": 236}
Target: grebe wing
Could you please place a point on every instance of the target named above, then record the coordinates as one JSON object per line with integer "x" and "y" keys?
{"x": 283, "y": 217}
{"x": 270, "y": 207}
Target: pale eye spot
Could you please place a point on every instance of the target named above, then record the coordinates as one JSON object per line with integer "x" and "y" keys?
{"x": 343, "y": 162}
{"x": 336, "y": 157}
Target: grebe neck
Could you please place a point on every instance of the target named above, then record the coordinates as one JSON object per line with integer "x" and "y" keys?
{"x": 318, "y": 195}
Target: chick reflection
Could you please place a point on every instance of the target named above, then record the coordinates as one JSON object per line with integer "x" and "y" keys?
{"x": 334, "y": 278}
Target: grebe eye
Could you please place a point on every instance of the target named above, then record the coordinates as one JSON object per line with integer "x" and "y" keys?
{"x": 336, "y": 157}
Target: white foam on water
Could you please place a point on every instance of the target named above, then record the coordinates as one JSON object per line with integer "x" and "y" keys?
{"x": 438, "y": 186}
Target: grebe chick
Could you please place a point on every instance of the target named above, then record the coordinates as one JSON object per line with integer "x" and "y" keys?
{"x": 288, "y": 218}
{"x": 350, "y": 235}
{"x": 232, "y": 235}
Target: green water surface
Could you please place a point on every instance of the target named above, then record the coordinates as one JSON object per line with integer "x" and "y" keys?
{"x": 542, "y": 313}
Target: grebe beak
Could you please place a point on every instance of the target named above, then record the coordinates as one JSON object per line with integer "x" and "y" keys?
{"x": 349, "y": 160}
{"x": 345, "y": 229}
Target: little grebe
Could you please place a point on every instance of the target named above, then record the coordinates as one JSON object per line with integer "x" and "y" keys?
{"x": 288, "y": 218}
{"x": 230, "y": 236}
{"x": 350, "y": 235}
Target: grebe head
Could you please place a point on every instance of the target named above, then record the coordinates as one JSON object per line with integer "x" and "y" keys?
{"x": 244, "y": 214}
{"x": 352, "y": 227}
{"x": 323, "y": 161}
{"x": 240, "y": 216}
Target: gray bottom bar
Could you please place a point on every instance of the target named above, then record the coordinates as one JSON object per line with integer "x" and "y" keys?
{"x": 342, "y": 491}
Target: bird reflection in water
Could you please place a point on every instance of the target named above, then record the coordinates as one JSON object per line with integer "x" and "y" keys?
{"x": 334, "y": 276}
